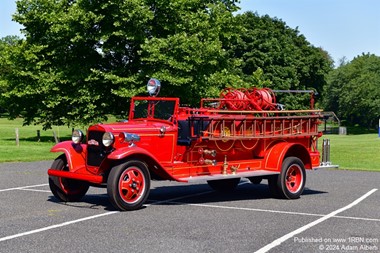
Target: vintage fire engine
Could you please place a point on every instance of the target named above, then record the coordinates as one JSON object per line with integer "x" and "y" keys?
{"x": 244, "y": 133}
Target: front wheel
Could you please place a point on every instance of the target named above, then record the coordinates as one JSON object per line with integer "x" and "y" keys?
{"x": 128, "y": 185}
{"x": 291, "y": 181}
{"x": 65, "y": 189}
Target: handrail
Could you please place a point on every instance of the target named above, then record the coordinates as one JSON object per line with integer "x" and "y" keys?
{"x": 258, "y": 112}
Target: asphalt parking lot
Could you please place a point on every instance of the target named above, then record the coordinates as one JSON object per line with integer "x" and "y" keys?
{"x": 338, "y": 212}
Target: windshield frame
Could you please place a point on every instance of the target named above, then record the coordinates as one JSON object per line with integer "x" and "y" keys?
{"x": 151, "y": 113}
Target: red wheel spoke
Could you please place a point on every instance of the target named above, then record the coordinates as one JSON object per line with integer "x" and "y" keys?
{"x": 132, "y": 175}
{"x": 138, "y": 178}
{"x": 129, "y": 194}
{"x": 131, "y": 184}
{"x": 125, "y": 185}
{"x": 293, "y": 179}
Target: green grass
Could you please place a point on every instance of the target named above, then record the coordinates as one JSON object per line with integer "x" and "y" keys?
{"x": 354, "y": 152}
{"x": 29, "y": 149}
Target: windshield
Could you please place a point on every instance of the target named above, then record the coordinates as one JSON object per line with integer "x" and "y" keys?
{"x": 151, "y": 108}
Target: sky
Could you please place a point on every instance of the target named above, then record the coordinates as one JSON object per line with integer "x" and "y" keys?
{"x": 343, "y": 28}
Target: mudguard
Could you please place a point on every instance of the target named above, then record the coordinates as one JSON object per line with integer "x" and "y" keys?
{"x": 125, "y": 152}
{"x": 75, "y": 154}
{"x": 276, "y": 154}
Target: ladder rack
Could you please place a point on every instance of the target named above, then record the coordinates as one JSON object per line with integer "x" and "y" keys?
{"x": 242, "y": 125}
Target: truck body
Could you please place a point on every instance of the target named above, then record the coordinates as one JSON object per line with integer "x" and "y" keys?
{"x": 242, "y": 134}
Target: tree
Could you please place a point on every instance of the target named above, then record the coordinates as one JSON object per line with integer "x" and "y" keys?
{"x": 82, "y": 60}
{"x": 190, "y": 54}
{"x": 6, "y": 45}
{"x": 288, "y": 60}
{"x": 353, "y": 91}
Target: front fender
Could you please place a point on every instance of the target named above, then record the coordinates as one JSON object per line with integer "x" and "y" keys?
{"x": 159, "y": 171}
{"x": 75, "y": 154}
{"x": 275, "y": 155}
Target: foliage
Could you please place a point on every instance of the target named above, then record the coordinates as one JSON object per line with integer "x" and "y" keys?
{"x": 286, "y": 57}
{"x": 190, "y": 54}
{"x": 6, "y": 45}
{"x": 353, "y": 91}
{"x": 81, "y": 60}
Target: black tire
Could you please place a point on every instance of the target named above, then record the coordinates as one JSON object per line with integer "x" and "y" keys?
{"x": 224, "y": 185}
{"x": 291, "y": 181}
{"x": 64, "y": 189}
{"x": 255, "y": 180}
{"x": 128, "y": 185}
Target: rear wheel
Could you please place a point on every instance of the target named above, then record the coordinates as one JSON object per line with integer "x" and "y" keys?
{"x": 291, "y": 181}
{"x": 65, "y": 189}
{"x": 128, "y": 185}
{"x": 224, "y": 185}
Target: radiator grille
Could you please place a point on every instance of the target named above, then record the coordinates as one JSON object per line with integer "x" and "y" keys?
{"x": 95, "y": 148}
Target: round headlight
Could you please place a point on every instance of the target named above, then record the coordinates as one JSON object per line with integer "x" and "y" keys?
{"x": 108, "y": 139}
{"x": 77, "y": 136}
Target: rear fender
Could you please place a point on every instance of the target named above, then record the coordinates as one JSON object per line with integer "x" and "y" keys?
{"x": 75, "y": 154}
{"x": 155, "y": 167}
{"x": 276, "y": 154}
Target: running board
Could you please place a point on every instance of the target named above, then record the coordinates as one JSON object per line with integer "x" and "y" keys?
{"x": 201, "y": 179}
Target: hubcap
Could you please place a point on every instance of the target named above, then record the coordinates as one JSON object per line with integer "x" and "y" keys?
{"x": 294, "y": 178}
{"x": 131, "y": 185}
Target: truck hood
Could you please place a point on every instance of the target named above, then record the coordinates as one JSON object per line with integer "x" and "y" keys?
{"x": 135, "y": 126}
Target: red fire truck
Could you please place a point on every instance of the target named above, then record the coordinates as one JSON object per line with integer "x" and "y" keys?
{"x": 244, "y": 133}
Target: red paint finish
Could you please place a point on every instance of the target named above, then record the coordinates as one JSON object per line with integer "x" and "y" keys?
{"x": 83, "y": 177}
{"x": 243, "y": 132}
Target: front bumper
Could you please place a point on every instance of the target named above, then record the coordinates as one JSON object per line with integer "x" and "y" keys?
{"x": 71, "y": 175}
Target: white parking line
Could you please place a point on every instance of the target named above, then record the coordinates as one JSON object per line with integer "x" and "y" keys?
{"x": 250, "y": 209}
{"x": 87, "y": 218}
{"x": 173, "y": 200}
{"x": 54, "y": 226}
{"x": 274, "y": 211}
{"x": 22, "y": 187}
{"x": 356, "y": 218}
{"x": 33, "y": 190}
{"x": 282, "y": 239}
